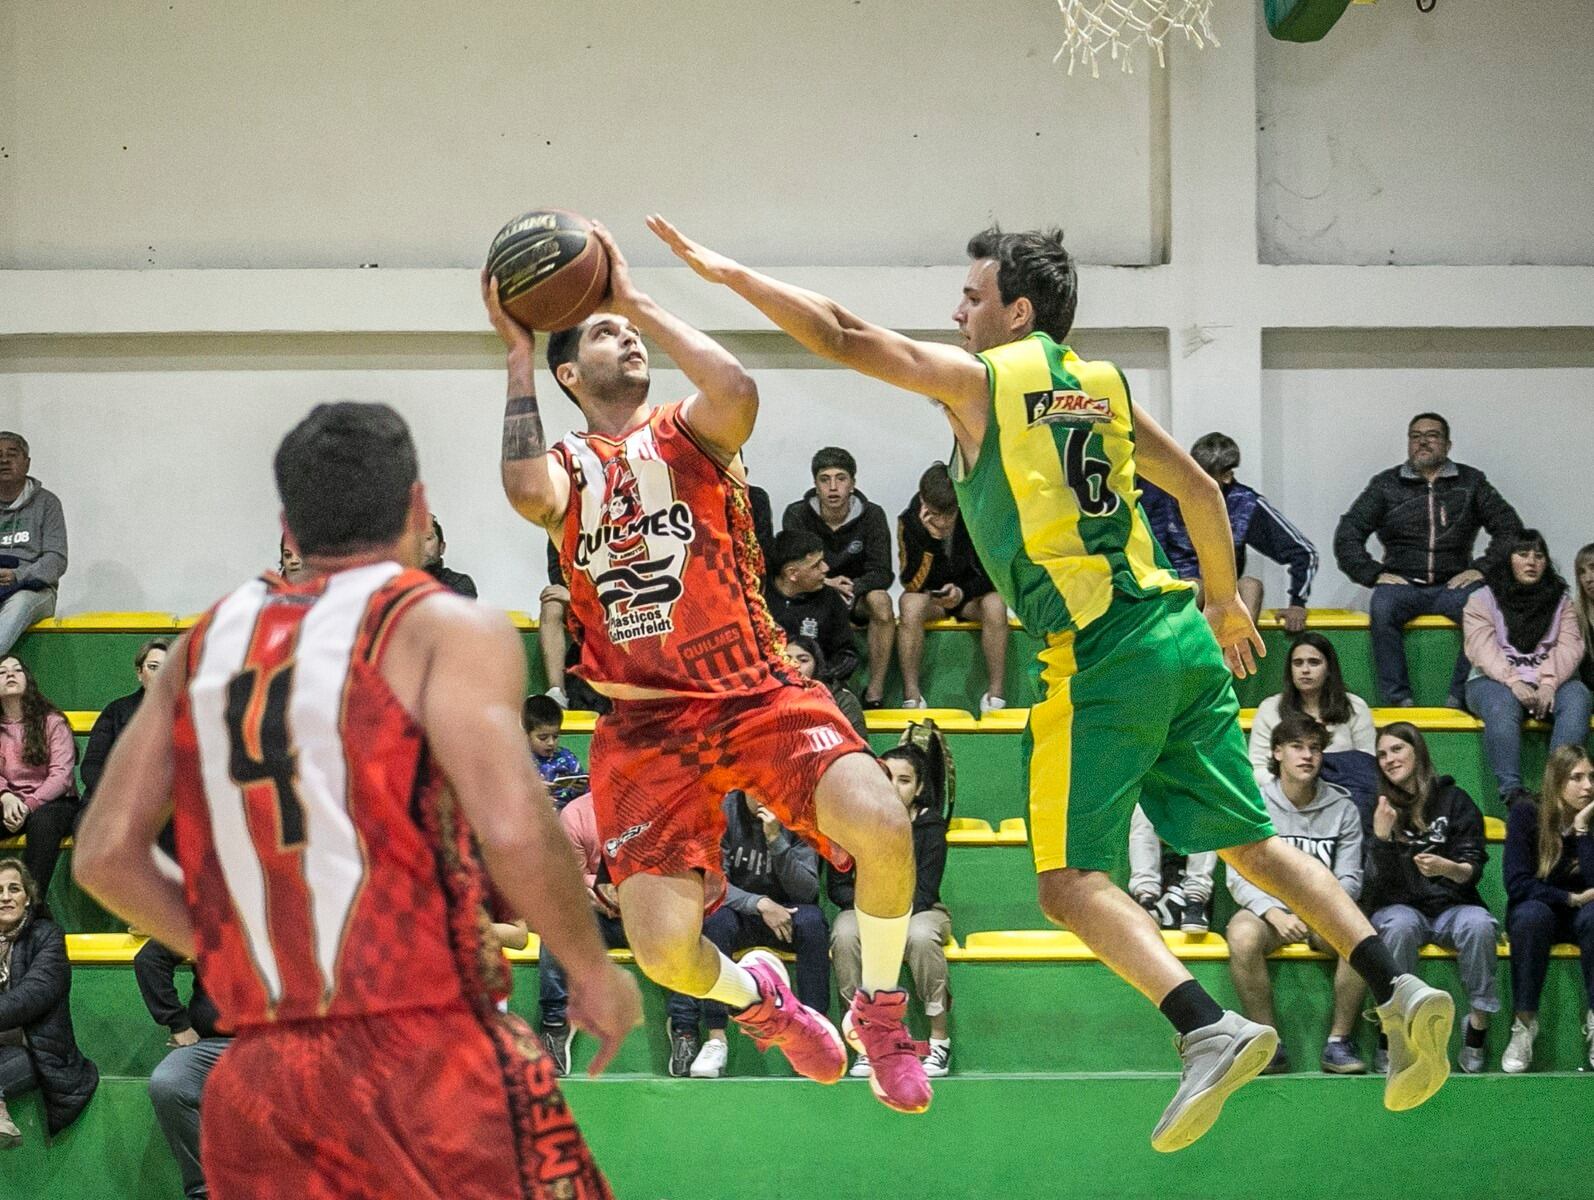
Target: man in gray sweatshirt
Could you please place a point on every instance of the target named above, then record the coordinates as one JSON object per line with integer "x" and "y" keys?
{"x": 1320, "y": 819}
{"x": 32, "y": 543}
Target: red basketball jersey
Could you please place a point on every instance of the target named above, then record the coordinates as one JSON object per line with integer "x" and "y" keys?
{"x": 327, "y": 868}
{"x": 664, "y": 570}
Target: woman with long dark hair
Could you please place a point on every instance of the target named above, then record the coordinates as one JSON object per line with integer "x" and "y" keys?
{"x": 1522, "y": 638}
{"x": 36, "y": 759}
{"x": 1549, "y": 882}
{"x": 1314, "y": 687}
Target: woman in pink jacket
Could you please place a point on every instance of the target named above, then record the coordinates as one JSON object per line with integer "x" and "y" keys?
{"x": 37, "y": 796}
{"x": 1522, "y": 637}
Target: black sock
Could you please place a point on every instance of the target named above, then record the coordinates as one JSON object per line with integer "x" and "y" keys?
{"x": 1373, "y": 962}
{"x": 1188, "y": 1007}
{"x": 1475, "y": 1036}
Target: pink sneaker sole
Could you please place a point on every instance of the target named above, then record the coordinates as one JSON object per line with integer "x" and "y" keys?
{"x": 880, "y": 1092}
{"x": 821, "y": 1067}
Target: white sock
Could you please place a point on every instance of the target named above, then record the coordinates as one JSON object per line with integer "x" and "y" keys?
{"x": 945, "y": 1043}
{"x": 735, "y": 987}
{"x": 883, "y": 940}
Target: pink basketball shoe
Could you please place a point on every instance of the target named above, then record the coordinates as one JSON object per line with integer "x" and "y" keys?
{"x": 876, "y": 1027}
{"x": 807, "y": 1038}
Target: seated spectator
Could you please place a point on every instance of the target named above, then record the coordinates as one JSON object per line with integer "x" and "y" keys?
{"x": 432, "y": 551}
{"x": 1583, "y": 602}
{"x": 543, "y": 720}
{"x": 930, "y": 927}
{"x": 1423, "y": 864}
{"x": 114, "y": 716}
{"x": 1176, "y": 889}
{"x": 37, "y": 1045}
{"x": 561, "y": 651}
{"x": 1521, "y": 635}
{"x": 1427, "y": 513}
{"x": 37, "y": 755}
{"x": 763, "y": 514}
{"x": 809, "y": 660}
{"x": 1319, "y": 819}
{"x": 856, "y": 544}
{"x": 804, "y": 607}
{"x": 1313, "y": 687}
{"x": 289, "y": 565}
{"x": 1255, "y": 523}
{"x": 771, "y": 899}
{"x": 1549, "y": 885}
{"x": 942, "y": 577}
{"x": 195, "y": 1043}
{"x": 553, "y": 994}
{"x": 32, "y": 543}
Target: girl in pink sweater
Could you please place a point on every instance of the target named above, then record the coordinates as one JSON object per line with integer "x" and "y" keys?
{"x": 36, "y": 760}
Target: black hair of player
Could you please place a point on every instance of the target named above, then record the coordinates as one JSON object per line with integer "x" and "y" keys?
{"x": 792, "y": 545}
{"x": 437, "y": 531}
{"x": 563, "y": 348}
{"x": 914, "y": 757}
{"x": 541, "y": 712}
{"x": 1296, "y": 727}
{"x": 833, "y": 458}
{"x": 936, "y": 490}
{"x": 1216, "y": 453}
{"x": 344, "y": 475}
{"x": 1444, "y": 425}
{"x": 1034, "y": 265}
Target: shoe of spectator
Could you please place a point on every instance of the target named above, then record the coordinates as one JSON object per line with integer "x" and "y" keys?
{"x": 869, "y": 703}
{"x": 557, "y": 695}
{"x": 1515, "y": 796}
{"x": 684, "y": 1047}
{"x": 990, "y": 704}
{"x": 1218, "y": 1059}
{"x": 807, "y": 1038}
{"x": 1472, "y": 1060}
{"x": 1149, "y": 902}
{"x": 1195, "y": 916}
{"x": 1455, "y": 701}
{"x": 1518, "y": 1056}
{"x": 861, "y": 1068}
{"x": 939, "y": 1060}
{"x": 876, "y": 1026}
{"x": 556, "y": 1041}
{"x": 10, "y": 1135}
{"x": 1279, "y": 1064}
{"x": 1381, "y": 1061}
{"x": 1170, "y": 908}
{"x": 1408, "y": 702}
{"x": 1340, "y": 1058}
{"x": 710, "y": 1060}
{"x": 1417, "y": 1022}
{"x": 916, "y": 702}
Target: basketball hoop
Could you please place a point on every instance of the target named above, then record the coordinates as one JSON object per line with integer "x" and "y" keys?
{"x": 1093, "y": 28}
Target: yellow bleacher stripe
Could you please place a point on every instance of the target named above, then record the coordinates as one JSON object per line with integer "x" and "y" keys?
{"x": 895, "y": 720}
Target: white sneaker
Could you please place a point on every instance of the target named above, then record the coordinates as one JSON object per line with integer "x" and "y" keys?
{"x": 860, "y": 1067}
{"x": 1588, "y": 1033}
{"x": 939, "y": 1058}
{"x": 1518, "y": 1056}
{"x": 917, "y": 702}
{"x": 710, "y": 1060}
{"x": 990, "y": 704}
{"x": 557, "y": 695}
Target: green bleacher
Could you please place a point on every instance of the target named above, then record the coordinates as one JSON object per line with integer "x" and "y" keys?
{"x": 1060, "y": 1070}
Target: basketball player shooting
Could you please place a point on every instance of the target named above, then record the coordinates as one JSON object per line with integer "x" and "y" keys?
{"x": 1137, "y": 702}
{"x": 649, "y": 508}
{"x": 341, "y": 756}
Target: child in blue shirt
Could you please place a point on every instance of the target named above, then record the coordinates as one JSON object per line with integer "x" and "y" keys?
{"x": 542, "y": 718}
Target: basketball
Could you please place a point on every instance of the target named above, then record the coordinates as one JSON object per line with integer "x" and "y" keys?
{"x": 551, "y": 269}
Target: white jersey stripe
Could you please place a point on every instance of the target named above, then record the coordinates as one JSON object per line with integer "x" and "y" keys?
{"x": 226, "y": 646}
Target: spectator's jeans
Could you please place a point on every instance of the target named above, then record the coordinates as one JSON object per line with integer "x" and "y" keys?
{"x": 928, "y": 932}
{"x": 1534, "y": 927}
{"x": 174, "y": 1090}
{"x": 730, "y": 931}
{"x": 1502, "y": 715}
{"x": 553, "y": 995}
{"x": 1145, "y": 863}
{"x": 1468, "y": 929}
{"x": 46, "y": 828}
{"x": 20, "y": 610}
{"x": 16, "y": 1072}
{"x": 1394, "y": 604}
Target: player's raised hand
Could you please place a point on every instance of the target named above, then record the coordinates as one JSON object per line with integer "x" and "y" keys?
{"x": 710, "y": 264}
{"x": 607, "y": 1004}
{"x": 623, "y": 293}
{"x": 515, "y": 335}
{"x": 1237, "y": 636}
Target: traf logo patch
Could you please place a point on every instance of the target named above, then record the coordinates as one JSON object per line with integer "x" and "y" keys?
{"x": 1066, "y": 407}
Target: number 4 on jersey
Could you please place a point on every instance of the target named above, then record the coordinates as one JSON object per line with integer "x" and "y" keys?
{"x": 260, "y": 749}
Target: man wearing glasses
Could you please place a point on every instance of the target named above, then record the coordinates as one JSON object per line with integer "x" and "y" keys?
{"x": 1426, "y": 514}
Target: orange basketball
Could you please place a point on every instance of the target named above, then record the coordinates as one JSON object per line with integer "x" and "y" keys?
{"x": 552, "y": 271}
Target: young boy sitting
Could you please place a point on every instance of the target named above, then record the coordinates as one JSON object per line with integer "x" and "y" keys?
{"x": 542, "y": 719}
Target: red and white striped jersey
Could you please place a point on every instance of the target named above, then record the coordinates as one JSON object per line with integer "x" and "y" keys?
{"x": 325, "y": 864}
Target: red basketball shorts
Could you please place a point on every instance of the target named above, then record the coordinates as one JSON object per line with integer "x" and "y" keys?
{"x": 660, "y": 769}
{"x": 419, "y": 1103}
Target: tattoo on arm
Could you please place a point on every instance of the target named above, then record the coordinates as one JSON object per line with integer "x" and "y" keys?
{"x": 523, "y": 436}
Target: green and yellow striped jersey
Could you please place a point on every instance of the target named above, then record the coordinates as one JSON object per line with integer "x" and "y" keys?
{"x": 1052, "y": 504}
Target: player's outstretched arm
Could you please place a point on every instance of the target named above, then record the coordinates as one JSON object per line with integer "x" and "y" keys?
{"x": 469, "y": 706}
{"x": 115, "y": 858}
{"x": 946, "y": 374}
{"x": 537, "y": 485}
{"x": 1165, "y": 463}
{"x": 725, "y": 405}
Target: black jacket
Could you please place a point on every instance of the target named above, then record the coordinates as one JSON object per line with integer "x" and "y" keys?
{"x": 1427, "y": 530}
{"x": 1573, "y": 872}
{"x": 1455, "y": 831}
{"x": 155, "y": 968}
{"x": 455, "y": 581}
{"x": 108, "y": 726}
{"x": 38, "y": 1002}
{"x": 822, "y": 615}
{"x": 929, "y": 864}
{"x": 928, "y": 564}
{"x": 860, "y": 550}
{"x": 786, "y": 872}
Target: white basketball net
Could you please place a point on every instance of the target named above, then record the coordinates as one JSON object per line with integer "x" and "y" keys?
{"x": 1093, "y": 28}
